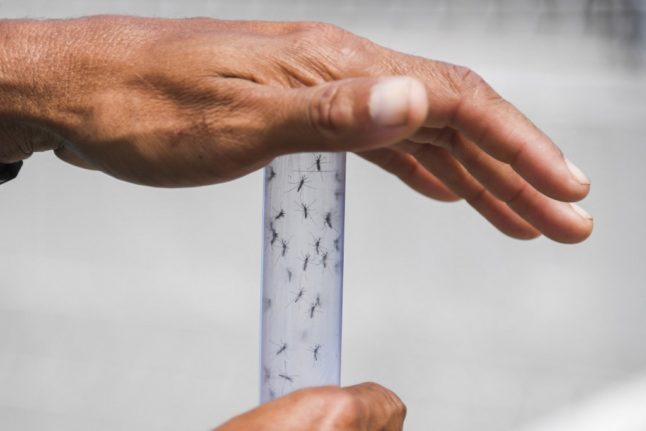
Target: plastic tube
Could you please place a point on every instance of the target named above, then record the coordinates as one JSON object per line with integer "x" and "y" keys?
{"x": 302, "y": 276}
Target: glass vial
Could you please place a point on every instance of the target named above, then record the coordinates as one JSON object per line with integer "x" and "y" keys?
{"x": 302, "y": 273}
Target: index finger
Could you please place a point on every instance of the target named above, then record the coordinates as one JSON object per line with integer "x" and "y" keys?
{"x": 462, "y": 100}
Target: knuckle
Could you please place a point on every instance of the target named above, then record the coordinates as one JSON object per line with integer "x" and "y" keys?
{"x": 468, "y": 83}
{"x": 514, "y": 195}
{"x": 468, "y": 88}
{"x": 318, "y": 30}
{"x": 462, "y": 78}
{"x": 398, "y": 406}
{"x": 329, "y": 111}
{"x": 325, "y": 49}
{"x": 476, "y": 195}
{"x": 346, "y": 410}
{"x": 465, "y": 82}
{"x": 372, "y": 386}
{"x": 403, "y": 409}
{"x": 391, "y": 399}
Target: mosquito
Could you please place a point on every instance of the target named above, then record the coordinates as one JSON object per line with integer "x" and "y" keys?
{"x": 290, "y": 274}
{"x": 315, "y": 351}
{"x": 315, "y": 305}
{"x": 266, "y": 303}
{"x": 317, "y": 245}
{"x": 299, "y": 295}
{"x": 305, "y": 208}
{"x": 282, "y": 349}
{"x": 284, "y": 245}
{"x": 328, "y": 220}
{"x": 266, "y": 374}
{"x": 274, "y": 233}
{"x": 306, "y": 261}
{"x": 280, "y": 214}
{"x": 324, "y": 259}
{"x": 287, "y": 377}
{"x": 272, "y": 174}
{"x": 302, "y": 182}
{"x": 336, "y": 243}
{"x": 317, "y": 166}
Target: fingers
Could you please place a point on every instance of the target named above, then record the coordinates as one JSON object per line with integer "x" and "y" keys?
{"x": 460, "y": 99}
{"x": 411, "y": 172}
{"x": 502, "y": 131}
{"x": 557, "y": 220}
{"x": 457, "y": 179}
{"x": 347, "y": 115}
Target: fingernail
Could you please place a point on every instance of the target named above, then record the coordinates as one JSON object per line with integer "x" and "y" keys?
{"x": 580, "y": 211}
{"x": 390, "y": 102}
{"x": 577, "y": 173}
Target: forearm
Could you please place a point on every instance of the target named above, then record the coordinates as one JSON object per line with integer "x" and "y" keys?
{"x": 47, "y": 67}
{"x": 28, "y": 68}
{"x": 48, "y": 78}
{"x": 32, "y": 88}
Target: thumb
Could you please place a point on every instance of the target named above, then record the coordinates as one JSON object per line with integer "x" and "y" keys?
{"x": 347, "y": 115}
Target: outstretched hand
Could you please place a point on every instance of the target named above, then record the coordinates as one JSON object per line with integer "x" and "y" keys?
{"x": 200, "y": 101}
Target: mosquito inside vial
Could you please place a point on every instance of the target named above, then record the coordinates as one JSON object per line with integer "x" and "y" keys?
{"x": 282, "y": 349}
{"x": 271, "y": 175}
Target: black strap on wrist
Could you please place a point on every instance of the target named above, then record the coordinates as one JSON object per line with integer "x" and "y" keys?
{"x": 9, "y": 171}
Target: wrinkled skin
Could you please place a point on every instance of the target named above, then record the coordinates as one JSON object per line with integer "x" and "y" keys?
{"x": 200, "y": 101}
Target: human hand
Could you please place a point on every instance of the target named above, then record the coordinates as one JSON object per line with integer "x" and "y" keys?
{"x": 200, "y": 101}
{"x": 364, "y": 407}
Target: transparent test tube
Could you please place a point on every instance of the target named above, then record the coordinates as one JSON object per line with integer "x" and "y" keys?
{"x": 302, "y": 273}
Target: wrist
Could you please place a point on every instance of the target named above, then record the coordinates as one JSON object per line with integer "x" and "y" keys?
{"x": 31, "y": 74}
{"x": 52, "y": 70}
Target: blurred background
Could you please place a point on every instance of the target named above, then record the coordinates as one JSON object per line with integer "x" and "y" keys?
{"x": 132, "y": 308}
